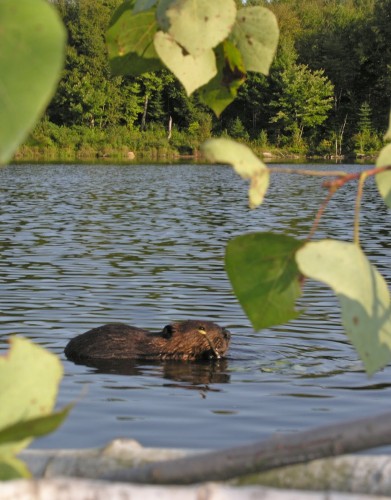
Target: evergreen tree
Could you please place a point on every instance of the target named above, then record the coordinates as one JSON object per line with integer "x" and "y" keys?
{"x": 364, "y": 123}
{"x": 365, "y": 140}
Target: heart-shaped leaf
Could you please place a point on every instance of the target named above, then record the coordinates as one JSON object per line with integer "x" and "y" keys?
{"x": 32, "y": 43}
{"x": 383, "y": 180}
{"x": 244, "y": 162}
{"x": 130, "y": 41}
{"x": 362, "y": 292}
{"x": 193, "y": 72}
{"x": 264, "y": 276}
{"x": 256, "y": 36}
{"x": 200, "y": 25}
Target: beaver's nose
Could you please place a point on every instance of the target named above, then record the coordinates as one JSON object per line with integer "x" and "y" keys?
{"x": 226, "y": 334}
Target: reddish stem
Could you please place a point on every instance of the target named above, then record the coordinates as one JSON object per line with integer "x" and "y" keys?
{"x": 337, "y": 183}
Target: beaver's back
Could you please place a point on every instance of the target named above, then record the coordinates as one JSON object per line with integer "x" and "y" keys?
{"x": 112, "y": 341}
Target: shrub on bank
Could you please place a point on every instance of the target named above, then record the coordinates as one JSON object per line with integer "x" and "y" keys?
{"x": 50, "y": 142}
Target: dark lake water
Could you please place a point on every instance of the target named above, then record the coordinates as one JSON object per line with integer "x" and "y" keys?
{"x": 84, "y": 245}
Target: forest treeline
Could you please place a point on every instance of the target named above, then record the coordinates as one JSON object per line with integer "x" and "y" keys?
{"x": 328, "y": 92}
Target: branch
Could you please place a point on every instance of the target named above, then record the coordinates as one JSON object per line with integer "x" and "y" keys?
{"x": 363, "y": 178}
{"x": 338, "y": 183}
{"x": 316, "y": 173}
{"x": 342, "y": 177}
{"x": 333, "y": 186}
{"x": 319, "y": 213}
{"x": 278, "y": 451}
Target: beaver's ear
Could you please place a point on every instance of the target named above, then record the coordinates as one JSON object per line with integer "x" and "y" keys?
{"x": 167, "y": 332}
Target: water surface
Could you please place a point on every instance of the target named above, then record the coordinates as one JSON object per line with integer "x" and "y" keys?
{"x": 84, "y": 245}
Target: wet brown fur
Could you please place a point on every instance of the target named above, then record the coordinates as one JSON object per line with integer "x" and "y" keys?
{"x": 178, "y": 341}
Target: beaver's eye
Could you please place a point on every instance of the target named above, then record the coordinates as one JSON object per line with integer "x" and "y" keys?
{"x": 167, "y": 332}
{"x": 201, "y": 329}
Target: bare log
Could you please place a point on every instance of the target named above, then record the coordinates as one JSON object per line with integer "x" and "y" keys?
{"x": 277, "y": 451}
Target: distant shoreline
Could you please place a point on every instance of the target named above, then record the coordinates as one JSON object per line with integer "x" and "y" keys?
{"x": 125, "y": 155}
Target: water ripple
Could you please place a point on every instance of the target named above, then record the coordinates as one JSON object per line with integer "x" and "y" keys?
{"x": 85, "y": 245}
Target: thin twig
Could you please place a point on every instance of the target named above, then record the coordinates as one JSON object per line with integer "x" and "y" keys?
{"x": 319, "y": 213}
{"x": 317, "y": 173}
{"x": 333, "y": 185}
{"x": 360, "y": 188}
{"x": 338, "y": 183}
{"x": 342, "y": 177}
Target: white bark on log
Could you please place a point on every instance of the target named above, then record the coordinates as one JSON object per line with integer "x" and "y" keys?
{"x": 76, "y": 489}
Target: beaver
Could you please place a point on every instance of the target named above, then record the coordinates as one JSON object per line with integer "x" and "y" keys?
{"x": 185, "y": 340}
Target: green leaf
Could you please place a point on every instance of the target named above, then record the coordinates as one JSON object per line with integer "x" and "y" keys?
{"x": 264, "y": 276}
{"x": 257, "y": 190}
{"x": 256, "y": 36}
{"x": 223, "y": 88}
{"x": 244, "y": 162}
{"x": 130, "y": 41}
{"x": 29, "y": 379}
{"x": 362, "y": 292}
{"x": 34, "y": 427}
{"x": 12, "y": 468}
{"x": 141, "y": 5}
{"x": 383, "y": 180}
{"x": 32, "y": 43}
{"x": 191, "y": 71}
{"x": 200, "y": 25}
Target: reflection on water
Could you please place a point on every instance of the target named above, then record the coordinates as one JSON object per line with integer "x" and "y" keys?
{"x": 87, "y": 245}
{"x": 195, "y": 375}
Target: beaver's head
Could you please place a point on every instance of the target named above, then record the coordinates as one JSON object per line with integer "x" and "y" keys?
{"x": 195, "y": 339}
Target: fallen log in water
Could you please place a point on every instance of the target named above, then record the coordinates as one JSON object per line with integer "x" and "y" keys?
{"x": 277, "y": 451}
